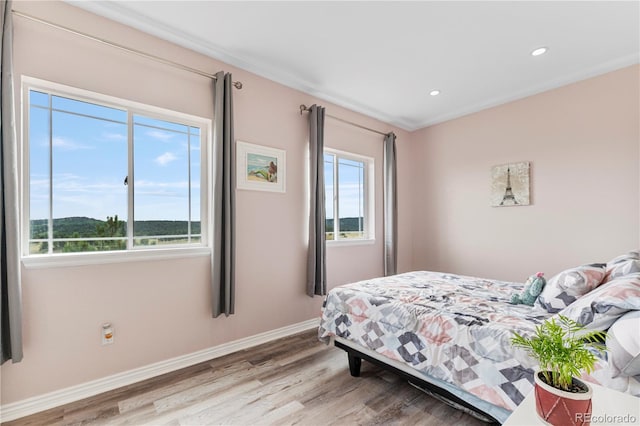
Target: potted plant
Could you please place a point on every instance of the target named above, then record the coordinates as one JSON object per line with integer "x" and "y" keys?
{"x": 561, "y": 347}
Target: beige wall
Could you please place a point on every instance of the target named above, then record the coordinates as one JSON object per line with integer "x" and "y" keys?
{"x": 583, "y": 144}
{"x": 160, "y": 309}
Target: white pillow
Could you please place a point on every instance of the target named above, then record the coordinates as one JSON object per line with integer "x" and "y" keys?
{"x": 623, "y": 344}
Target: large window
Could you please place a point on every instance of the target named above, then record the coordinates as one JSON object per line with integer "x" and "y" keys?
{"x": 348, "y": 196}
{"x": 104, "y": 174}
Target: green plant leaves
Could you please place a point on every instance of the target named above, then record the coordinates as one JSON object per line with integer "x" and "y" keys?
{"x": 561, "y": 347}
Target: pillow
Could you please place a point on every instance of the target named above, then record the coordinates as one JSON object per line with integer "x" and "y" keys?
{"x": 623, "y": 265}
{"x": 623, "y": 344}
{"x": 633, "y": 255}
{"x": 623, "y": 268}
{"x": 599, "y": 309}
{"x": 564, "y": 288}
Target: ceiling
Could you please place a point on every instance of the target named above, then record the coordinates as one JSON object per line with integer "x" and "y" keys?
{"x": 384, "y": 58}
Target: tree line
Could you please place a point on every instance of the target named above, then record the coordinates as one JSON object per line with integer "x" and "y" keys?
{"x": 347, "y": 224}
{"x": 86, "y": 227}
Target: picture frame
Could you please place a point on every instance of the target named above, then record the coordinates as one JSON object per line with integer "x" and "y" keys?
{"x": 510, "y": 184}
{"x": 260, "y": 168}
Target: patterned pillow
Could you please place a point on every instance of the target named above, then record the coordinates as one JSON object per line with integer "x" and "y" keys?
{"x": 633, "y": 254}
{"x": 564, "y": 288}
{"x": 623, "y": 343}
{"x": 604, "y": 305}
{"x": 625, "y": 264}
{"x": 623, "y": 268}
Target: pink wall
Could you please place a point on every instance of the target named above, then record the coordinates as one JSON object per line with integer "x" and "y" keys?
{"x": 64, "y": 307}
{"x": 583, "y": 144}
{"x": 582, "y": 141}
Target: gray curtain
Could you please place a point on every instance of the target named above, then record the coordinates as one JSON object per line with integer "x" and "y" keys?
{"x": 222, "y": 224}
{"x": 11, "y": 305}
{"x": 390, "y": 206}
{"x": 316, "y": 265}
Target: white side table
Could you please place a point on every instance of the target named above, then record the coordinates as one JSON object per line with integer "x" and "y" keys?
{"x": 610, "y": 407}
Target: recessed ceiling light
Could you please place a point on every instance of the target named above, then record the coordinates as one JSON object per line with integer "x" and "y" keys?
{"x": 539, "y": 51}
{"x": 434, "y": 92}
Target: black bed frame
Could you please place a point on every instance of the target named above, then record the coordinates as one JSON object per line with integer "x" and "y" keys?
{"x": 355, "y": 361}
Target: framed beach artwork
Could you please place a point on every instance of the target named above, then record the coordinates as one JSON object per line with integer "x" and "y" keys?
{"x": 260, "y": 168}
{"x": 510, "y": 184}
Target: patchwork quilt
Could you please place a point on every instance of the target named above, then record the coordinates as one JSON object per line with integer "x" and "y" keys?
{"x": 455, "y": 328}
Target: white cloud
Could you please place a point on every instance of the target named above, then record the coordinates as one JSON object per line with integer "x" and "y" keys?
{"x": 76, "y": 195}
{"x": 71, "y": 183}
{"x": 163, "y": 189}
{"x": 68, "y": 144}
{"x": 114, "y": 136}
{"x": 158, "y": 134}
{"x": 153, "y": 184}
{"x": 165, "y": 159}
{"x": 349, "y": 199}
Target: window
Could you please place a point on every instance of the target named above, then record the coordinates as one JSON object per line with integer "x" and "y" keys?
{"x": 348, "y": 196}
{"x": 103, "y": 174}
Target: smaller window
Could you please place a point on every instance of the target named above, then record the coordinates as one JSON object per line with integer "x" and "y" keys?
{"x": 348, "y": 196}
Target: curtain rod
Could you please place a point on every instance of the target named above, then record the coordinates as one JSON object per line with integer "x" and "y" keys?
{"x": 236, "y": 84}
{"x": 304, "y": 108}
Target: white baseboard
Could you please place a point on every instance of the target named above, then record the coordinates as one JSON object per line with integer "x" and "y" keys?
{"x": 33, "y": 405}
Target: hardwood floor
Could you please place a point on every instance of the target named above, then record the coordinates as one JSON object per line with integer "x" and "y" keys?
{"x": 295, "y": 380}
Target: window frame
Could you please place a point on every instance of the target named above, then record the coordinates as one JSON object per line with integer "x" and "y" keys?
{"x": 132, "y": 108}
{"x": 369, "y": 198}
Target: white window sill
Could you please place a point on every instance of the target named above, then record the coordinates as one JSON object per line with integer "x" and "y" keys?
{"x": 84, "y": 259}
{"x": 349, "y": 243}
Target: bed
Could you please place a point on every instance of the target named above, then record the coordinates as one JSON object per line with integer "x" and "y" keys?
{"x": 450, "y": 334}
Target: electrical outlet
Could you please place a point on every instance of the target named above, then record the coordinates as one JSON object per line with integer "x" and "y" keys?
{"x": 107, "y": 334}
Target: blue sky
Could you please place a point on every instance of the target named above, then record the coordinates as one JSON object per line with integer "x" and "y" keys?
{"x": 90, "y": 163}
{"x": 349, "y": 198}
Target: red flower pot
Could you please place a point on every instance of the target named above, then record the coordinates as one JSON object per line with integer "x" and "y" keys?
{"x": 559, "y": 408}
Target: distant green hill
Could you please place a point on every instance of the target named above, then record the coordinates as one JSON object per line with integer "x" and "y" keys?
{"x": 346, "y": 224}
{"x": 164, "y": 227}
{"x": 65, "y": 227}
{"x": 79, "y": 227}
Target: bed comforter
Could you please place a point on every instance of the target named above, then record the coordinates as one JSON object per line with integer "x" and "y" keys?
{"x": 454, "y": 328}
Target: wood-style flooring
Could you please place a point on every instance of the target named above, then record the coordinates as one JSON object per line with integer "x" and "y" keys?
{"x": 292, "y": 381}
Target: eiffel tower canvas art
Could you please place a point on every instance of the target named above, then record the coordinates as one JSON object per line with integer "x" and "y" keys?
{"x": 510, "y": 184}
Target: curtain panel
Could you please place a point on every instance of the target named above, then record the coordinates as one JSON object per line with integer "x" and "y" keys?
{"x": 316, "y": 262}
{"x": 222, "y": 224}
{"x": 11, "y": 302}
{"x": 390, "y": 206}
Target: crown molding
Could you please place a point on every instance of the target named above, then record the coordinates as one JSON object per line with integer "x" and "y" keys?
{"x": 119, "y": 13}
{"x": 123, "y": 15}
{"x": 565, "y": 80}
